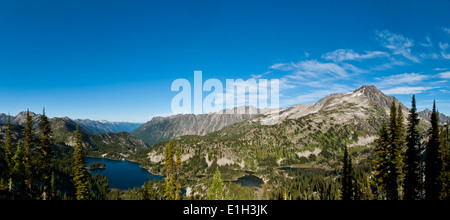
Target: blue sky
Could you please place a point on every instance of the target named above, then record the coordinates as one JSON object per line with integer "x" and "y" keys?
{"x": 116, "y": 60}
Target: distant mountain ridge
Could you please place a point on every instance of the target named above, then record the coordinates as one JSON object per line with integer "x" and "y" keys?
{"x": 92, "y": 126}
{"x": 426, "y": 113}
{"x": 163, "y": 128}
{"x": 349, "y": 105}
{"x": 63, "y": 132}
{"x": 96, "y": 127}
{"x": 314, "y": 133}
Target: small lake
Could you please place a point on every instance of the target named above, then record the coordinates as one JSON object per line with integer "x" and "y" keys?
{"x": 125, "y": 175}
{"x": 250, "y": 181}
{"x": 122, "y": 174}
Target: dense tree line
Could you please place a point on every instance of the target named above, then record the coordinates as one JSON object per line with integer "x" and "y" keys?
{"x": 38, "y": 169}
{"x": 400, "y": 170}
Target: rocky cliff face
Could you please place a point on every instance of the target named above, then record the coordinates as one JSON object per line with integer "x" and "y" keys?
{"x": 163, "y": 128}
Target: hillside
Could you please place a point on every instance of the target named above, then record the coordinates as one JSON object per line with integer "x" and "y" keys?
{"x": 163, "y": 128}
{"x": 426, "y": 113}
{"x": 307, "y": 134}
{"x": 63, "y": 130}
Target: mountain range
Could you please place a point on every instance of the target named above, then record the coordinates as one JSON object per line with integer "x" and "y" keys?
{"x": 63, "y": 133}
{"x": 426, "y": 113}
{"x": 163, "y": 128}
{"x": 244, "y": 141}
{"x": 315, "y": 134}
{"x": 96, "y": 127}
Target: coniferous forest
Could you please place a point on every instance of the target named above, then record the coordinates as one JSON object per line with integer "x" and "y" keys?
{"x": 405, "y": 163}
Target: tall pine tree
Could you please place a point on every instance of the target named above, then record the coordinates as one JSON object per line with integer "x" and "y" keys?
{"x": 433, "y": 163}
{"x": 27, "y": 154}
{"x": 412, "y": 184}
{"x": 381, "y": 159}
{"x": 45, "y": 154}
{"x": 18, "y": 169}
{"x": 394, "y": 153}
{"x": 8, "y": 148}
{"x": 80, "y": 177}
{"x": 170, "y": 192}
{"x": 178, "y": 168}
{"x": 347, "y": 177}
{"x": 216, "y": 191}
{"x": 445, "y": 175}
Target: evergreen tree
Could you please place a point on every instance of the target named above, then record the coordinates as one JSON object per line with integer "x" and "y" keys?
{"x": 399, "y": 159}
{"x": 412, "y": 185}
{"x": 170, "y": 187}
{"x": 8, "y": 148}
{"x": 392, "y": 176}
{"x": 148, "y": 191}
{"x": 18, "y": 168}
{"x": 216, "y": 191}
{"x": 80, "y": 178}
{"x": 179, "y": 167}
{"x": 27, "y": 154}
{"x": 445, "y": 194}
{"x": 433, "y": 164}
{"x": 45, "y": 153}
{"x": 347, "y": 177}
{"x": 168, "y": 157}
{"x": 381, "y": 159}
{"x": 170, "y": 182}
{"x": 53, "y": 189}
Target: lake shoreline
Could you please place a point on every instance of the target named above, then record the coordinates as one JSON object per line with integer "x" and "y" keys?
{"x": 122, "y": 174}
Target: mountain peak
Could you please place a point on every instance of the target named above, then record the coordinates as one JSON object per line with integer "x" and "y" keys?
{"x": 368, "y": 90}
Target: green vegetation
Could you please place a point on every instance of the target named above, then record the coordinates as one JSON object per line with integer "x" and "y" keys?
{"x": 96, "y": 166}
{"x": 80, "y": 173}
{"x": 309, "y": 158}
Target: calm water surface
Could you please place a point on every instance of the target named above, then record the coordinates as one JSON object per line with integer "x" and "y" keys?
{"x": 122, "y": 174}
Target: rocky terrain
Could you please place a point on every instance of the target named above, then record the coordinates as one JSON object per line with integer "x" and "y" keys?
{"x": 426, "y": 113}
{"x": 305, "y": 134}
{"x": 163, "y": 128}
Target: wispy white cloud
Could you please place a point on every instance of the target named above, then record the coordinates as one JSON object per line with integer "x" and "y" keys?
{"x": 389, "y": 65}
{"x": 344, "y": 55}
{"x": 260, "y": 75}
{"x": 444, "y": 47}
{"x": 445, "y": 75}
{"x": 312, "y": 80}
{"x": 428, "y": 43}
{"x": 313, "y": 73}
{"x": 316, "y": 95}
{"x": 313, "y": 69}
{"x": 407, "y": 90}
{"x": 440, "y": 69}
{"x": 400, "y": 79}
{"x": 398, "y": 44}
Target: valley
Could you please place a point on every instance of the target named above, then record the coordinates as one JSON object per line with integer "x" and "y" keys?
{"x": 254, "y": 159}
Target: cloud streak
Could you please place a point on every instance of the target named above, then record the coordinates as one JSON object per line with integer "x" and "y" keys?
{"x": 400, "y": 79}
{"x": 398, "y": 44}
{"x": 444, "y": 47}
{"x": 407, "y": 90}
{"x": 344, "y": 55}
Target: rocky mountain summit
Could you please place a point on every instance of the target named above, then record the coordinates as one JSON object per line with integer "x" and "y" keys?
{"x": 314, "y": 133}
{"x": 426, "y": 113}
